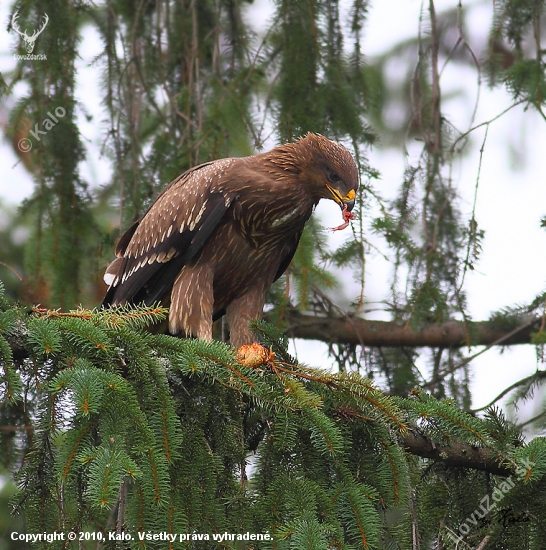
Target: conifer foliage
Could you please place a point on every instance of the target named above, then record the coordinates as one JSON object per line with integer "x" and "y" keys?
{"x": 120, "y": 432}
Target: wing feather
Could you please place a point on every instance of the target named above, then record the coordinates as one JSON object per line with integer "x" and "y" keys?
{"x": 290, "y": 248}
{"x": 173, "y": 231}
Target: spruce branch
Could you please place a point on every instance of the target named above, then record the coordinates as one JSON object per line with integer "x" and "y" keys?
{"x": 457, "y": 454}
{"x": 450, "y": 334}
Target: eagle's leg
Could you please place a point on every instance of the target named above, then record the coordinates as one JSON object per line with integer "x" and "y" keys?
{"x": 241, "y": 311}
{"x": 192, "y": 302}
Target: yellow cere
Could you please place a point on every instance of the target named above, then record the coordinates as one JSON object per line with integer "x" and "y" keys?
{"x": 337, "y": 195}
{"x": 349, "y": 196}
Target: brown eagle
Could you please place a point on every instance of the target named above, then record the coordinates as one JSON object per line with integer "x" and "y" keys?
{"x": 221, "y": 233}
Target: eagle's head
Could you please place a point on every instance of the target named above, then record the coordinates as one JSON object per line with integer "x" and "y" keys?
{"x": 330, "y": 169}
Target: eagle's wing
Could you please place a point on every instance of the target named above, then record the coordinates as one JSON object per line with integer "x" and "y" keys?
{"x": 176, "y": 227}
{"x": 290, "y": 247}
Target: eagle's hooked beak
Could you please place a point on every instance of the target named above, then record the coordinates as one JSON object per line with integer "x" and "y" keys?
{"x": 347, "y": 201}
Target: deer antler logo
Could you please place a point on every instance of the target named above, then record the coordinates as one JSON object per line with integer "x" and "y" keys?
{"x": 29, "y": 40}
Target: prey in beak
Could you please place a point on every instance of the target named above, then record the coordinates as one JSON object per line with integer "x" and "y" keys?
{"x": 346, "y": 204}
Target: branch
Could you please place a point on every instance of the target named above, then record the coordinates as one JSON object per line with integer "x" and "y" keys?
{"x": 451, "y": 334}
{"x": 457, "y": 454}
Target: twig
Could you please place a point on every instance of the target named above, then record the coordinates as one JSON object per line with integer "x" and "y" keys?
{"x": 13, "y": 270}
{"x": 538, "y": 375}
{"x": 486, "y": 348}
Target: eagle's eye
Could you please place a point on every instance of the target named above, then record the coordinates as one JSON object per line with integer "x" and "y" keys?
{"x": 333, "y": 177}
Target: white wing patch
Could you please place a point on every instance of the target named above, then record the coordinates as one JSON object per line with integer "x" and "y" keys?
{"x": 194, "y": 220}
{"x": 109, "y": 278}
{"x": 292, "y": 214}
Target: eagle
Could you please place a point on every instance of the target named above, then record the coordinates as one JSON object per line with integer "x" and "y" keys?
{"x": 215, "y": 240}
